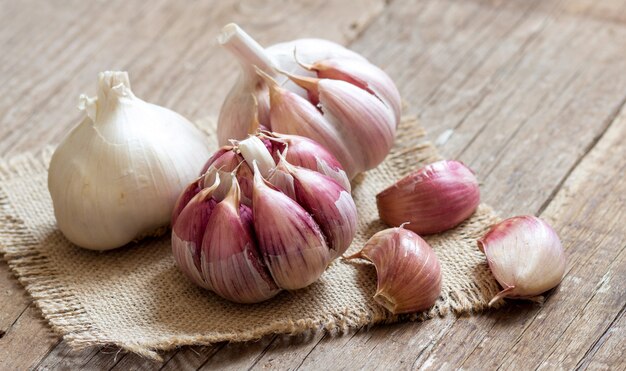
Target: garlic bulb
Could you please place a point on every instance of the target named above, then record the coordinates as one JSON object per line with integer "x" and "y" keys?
{"x": 340, "y": 100}
{"x": 116, "y": 176}
{"x": 433, "y": 199}
{"x": 408, "y": 271}
{"x": 250, "y": 227}
{"x": 525, "y": 256}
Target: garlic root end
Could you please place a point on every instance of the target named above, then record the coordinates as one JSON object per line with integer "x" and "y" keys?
{"x": 501, "y": 295}
{"x": 385, "y": 301}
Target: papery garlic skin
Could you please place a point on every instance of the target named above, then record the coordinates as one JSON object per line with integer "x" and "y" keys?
{"x": 353, "y": 112}
{"x": 116, "y": 176}
{"x": 282, "y": 235}
{"x": 525, "y": 256}
{"x": 433, "y": 199}
{"x": 408, "y": 271}
{"x": 307, "y": 153}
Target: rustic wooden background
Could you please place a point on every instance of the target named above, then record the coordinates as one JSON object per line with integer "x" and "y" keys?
{"x": 533, "y": 93}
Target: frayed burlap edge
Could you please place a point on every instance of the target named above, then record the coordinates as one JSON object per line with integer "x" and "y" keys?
{"x": 68, "y": 318}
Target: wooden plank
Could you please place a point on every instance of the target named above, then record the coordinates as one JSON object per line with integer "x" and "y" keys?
{"x": 27, "y": 342}
{"x": 191, "y": 358}
{"x": 610, "y": 348}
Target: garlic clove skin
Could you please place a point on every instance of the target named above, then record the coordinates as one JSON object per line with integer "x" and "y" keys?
{"x": 281, "y": 178}
{"x": 291, "y": 243}
{"x": 407, "y": 269}
{"x": 433, "y": 199}
{"x": 304, "y": 152}
{"x": 188, "y": 233}
{"x": 117, "y": 175}
{"x": 230, "y": 261}
{"x": 330, "y": 205}
{"x": 525, "y": 256}
{"x": 362, "y": 74}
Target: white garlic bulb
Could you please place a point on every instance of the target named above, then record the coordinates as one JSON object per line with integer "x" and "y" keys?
{"x": 116, "y": 176}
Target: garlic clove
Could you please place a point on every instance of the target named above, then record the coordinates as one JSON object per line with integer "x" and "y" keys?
{"x": 433, "y": 199}
{"x": 525, "y": 256}
{"x": 330, "y": 205}
{"x": 291, "y": 243}
{"x": 230, "y": 261}
{"x": 362, "y": 74}
{"x": 188, "y": 232}
{"x": 407, "y": 269}
{"x": 350, "y": 108}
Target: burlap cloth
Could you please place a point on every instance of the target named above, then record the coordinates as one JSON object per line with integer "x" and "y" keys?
{"x": 136, "y": 298}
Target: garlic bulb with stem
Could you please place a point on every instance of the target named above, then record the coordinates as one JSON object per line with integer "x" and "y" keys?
{"x": 407, "y": 270}
{"x": 116, "y": 176}
{"x": 340, "y": 100}
{"x": 525, "y": 256}
{"x": 278, "y": 232}
{"x": 433, "y": 199}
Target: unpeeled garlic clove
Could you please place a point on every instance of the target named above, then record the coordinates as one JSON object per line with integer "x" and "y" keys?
{"x": 230, "y": 261}
{"x": 407, "y": 269}
{"x": 433, "y": 199}
{"x": 188, "y": 232}
{"x": 363, "y": 125}
{"x": 291, "y": 243}
{"x": 362, "y": 74}
{"x": 525, "y": 256}
{"x": 330, "y": 205}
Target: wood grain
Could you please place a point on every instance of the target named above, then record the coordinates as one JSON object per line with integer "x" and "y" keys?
{"x": 530, "y": 94}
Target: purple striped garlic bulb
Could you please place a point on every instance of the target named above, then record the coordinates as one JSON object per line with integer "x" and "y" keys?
{"x": 271, "y": 212}
{"x": 312, "y": 88}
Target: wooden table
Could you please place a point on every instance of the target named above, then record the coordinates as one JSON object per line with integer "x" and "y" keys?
{"x": 532, "y": 93}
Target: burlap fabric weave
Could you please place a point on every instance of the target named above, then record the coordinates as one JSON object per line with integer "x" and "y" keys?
{"x": 136, "y": 298}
